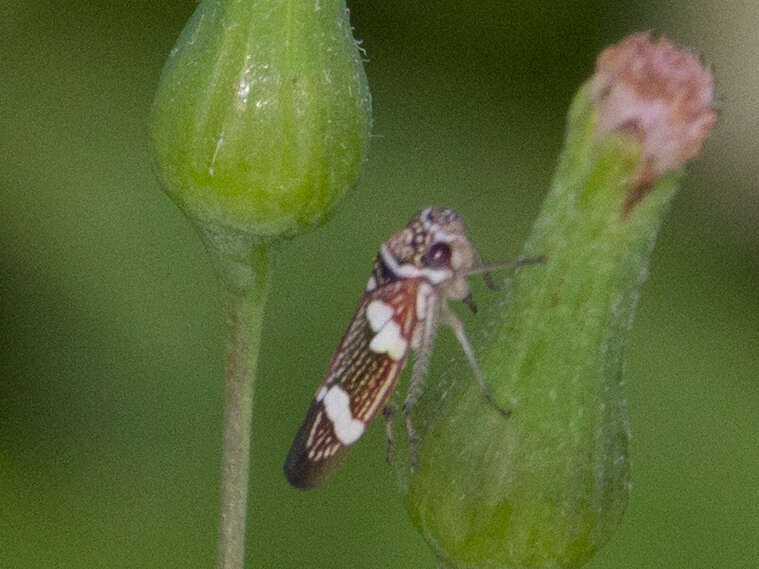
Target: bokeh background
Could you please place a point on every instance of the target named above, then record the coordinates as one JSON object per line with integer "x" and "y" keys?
{"x": 111, "y": 321}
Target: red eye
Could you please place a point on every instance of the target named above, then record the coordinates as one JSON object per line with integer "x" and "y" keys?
{"x": 439, "y": 255}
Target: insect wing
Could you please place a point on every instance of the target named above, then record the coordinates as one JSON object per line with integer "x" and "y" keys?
{"x": 361, "y": 376}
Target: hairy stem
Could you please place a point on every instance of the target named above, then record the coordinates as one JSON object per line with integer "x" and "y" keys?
{"x": 547, "y": 488}
{"x": 245, "y": 311}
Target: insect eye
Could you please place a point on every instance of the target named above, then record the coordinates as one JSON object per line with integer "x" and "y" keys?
{"x": 439, "y": 255}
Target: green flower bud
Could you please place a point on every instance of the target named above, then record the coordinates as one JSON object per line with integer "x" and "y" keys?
{"x": 262, "y": 116}
{"x": 259, "y": 126}
{"x": 548, "y": 486}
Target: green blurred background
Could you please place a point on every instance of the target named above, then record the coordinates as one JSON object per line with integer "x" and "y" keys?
{"x": 111, "y": 322}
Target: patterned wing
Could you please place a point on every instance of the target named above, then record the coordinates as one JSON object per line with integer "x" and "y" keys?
{"x": 361, "y": 376}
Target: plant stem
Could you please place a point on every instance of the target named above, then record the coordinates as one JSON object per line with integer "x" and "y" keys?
{"x": 548, "y": 487}
{"x": 245, "y": 311}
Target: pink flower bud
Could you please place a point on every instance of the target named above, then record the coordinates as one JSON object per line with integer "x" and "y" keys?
{"x": 661, "y": 95}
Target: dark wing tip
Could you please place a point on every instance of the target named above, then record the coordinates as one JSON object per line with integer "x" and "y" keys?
{"x": 297, "y": 470}
{"x": 302, "y": 472}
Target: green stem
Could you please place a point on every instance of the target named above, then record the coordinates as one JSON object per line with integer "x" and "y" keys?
{"x": 246, "y": 278}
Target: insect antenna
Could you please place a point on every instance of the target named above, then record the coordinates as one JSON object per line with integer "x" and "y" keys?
{"x": 486, "y": 269}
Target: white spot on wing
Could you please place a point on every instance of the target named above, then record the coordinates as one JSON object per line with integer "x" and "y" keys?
{"x": 337, "y": 405}
{"x": 389, "y": 340}
{"x": 378, "y": 314}
{"x": 371, "y": 284}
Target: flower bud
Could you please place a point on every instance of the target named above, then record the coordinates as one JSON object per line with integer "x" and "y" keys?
{"x": 262, "y": 116}
{"x": 548, "y": 486}
{"x": 659, "y": 94}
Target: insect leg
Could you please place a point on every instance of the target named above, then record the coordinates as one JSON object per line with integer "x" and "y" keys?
{"x": 450, "y": 318}
{"x": 469, "y": 301}
{"x": 388, "y": 413}
{"x": 421, "y": 362}
{"x": 491, "y": 284}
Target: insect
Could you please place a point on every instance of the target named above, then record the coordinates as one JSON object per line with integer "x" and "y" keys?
{"x": 415, "y": 272}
